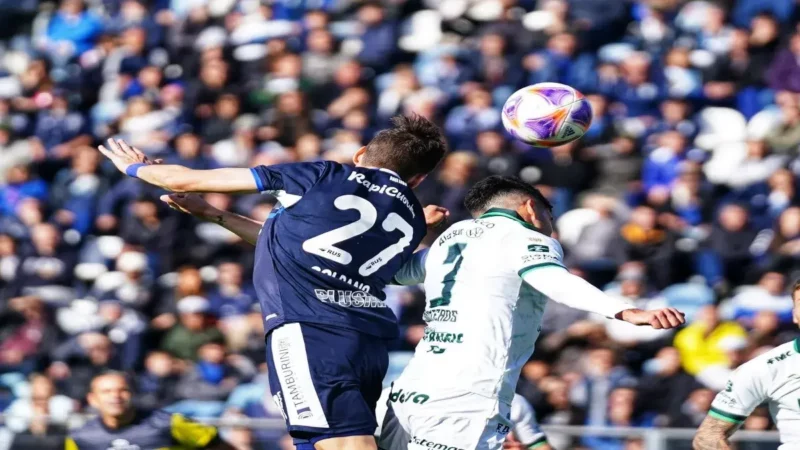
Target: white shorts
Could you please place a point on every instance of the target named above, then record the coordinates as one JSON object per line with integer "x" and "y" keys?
{"x": 459, "y": 420}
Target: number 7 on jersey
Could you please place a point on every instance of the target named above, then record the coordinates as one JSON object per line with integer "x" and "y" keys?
{"x": 453, "y": 256}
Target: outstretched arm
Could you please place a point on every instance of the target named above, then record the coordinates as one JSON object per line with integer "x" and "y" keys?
{"x": 556, "y": 283}
{"x": 133, "y": 162}
{"x": 713, "y": 434}
{"x": 244, "y": 227}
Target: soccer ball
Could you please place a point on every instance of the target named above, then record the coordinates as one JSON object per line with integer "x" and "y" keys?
{"x": 547, "y": 114}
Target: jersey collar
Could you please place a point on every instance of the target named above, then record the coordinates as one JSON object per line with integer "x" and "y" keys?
{"x": 507, "y": 213}
{"x": 797, "y": 345}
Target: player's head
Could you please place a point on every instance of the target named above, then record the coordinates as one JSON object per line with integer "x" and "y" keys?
{"x": 796, "y": 298}
{"x": 514, "y": 194}
{"x": 110, "y": 394}
{"x": 412, "y": 147}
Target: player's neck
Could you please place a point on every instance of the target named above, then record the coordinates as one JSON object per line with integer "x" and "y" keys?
{"x": 382, "y": 169}
{"x": 119, "y": 421}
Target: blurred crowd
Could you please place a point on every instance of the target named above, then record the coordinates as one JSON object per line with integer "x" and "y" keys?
{"x": 683, "y": 191}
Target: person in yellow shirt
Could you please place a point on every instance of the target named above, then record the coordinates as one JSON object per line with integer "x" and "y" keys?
{"x": 707, "y": 341}
{"x": 121, "y": 427}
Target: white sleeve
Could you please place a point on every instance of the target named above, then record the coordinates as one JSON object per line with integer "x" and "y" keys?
{"x": 559, "y": 285}
{"x": 746, "y": 389}
{"x": 528, "y": 249}
{"x": 525, "y": 429}
{"x": 413, "y": 272}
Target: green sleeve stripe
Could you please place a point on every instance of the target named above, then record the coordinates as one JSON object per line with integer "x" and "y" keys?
{"x": 726, "y": 416}
{"x": 527, "y": 269}
{"x": 542, "y": 441}
{"x": 797, "y": 345}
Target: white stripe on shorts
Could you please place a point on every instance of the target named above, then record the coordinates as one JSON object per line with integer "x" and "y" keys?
{"x": 291, "y": 364}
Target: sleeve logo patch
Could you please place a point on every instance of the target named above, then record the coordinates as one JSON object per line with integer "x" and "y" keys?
{"x": 538, "y": 248}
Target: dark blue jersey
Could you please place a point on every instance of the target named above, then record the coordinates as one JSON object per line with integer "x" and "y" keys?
{"x": 338, "y": 238}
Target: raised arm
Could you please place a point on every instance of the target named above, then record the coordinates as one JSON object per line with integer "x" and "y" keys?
{"x": 133, "y": 162}
{"x": 713, "y": 434}
{"x": 244, "y": 227}
{"x": 556, "y": 283}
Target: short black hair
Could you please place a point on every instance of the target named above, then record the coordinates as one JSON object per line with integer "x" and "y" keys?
{"x": 112, "y": 373}
{"x": 491, "y": 189}
{"x": 412, "y": 146}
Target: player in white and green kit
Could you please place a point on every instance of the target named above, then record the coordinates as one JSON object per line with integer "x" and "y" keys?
{"x": 487, "y": 282}
{"x": 774, "y": 378}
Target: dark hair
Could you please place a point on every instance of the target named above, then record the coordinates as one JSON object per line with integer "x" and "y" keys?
{"x": 112, "y": 373}
{"x": 493, "y": 188}
{"x": 412, "y": 146}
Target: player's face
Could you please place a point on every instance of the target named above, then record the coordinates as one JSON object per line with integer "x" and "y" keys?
{"x": 110, "y": 395}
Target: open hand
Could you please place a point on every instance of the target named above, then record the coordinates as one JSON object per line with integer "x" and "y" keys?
{"x": 435, "y": 215}
{"x": 124, "y": 155}
{"x": 663, "y": 318}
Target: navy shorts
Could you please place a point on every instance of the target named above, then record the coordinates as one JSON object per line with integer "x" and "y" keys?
{"x": 326, "y": 381}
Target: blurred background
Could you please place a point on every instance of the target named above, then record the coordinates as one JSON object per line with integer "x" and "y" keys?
{"x": 683, "y": 192}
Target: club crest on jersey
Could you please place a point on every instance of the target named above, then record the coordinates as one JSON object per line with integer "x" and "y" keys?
{"x": 475, "y": 232}
{"x": 123, "y": 444}
{"x": 538, "y": 248}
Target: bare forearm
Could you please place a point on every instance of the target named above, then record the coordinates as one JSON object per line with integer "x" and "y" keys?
{"x": 710, "y": 441}
{"x": 182, "y": 179}
{"x": 713, "y": 434}
{"x": 244, "y": 227}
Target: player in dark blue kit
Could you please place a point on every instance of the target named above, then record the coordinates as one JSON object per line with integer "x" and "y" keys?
{"x": 322, "y": 261}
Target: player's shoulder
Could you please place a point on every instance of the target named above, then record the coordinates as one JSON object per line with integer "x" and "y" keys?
{"x": 158, "y": 418}
{"x": 89, "y": 431}
{"x": 470, "y": 229}
{"x": 767, "y": 364}
{"x": 788, "y": 351}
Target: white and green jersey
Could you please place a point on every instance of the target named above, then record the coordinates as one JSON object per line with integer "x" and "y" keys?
{"x": 774, "y": 378}
{"x": 485, "y": 305}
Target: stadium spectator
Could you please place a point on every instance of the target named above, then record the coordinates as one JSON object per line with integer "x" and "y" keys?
{"x": 28, "y": 335}
{"x": 156, "y": 386}
{"x": 769, "y": 295}
{"x": 194, "y": 329}
{"x": 641, "y": 239}
{"x": 206, "y": 385}
{"x": 785, "y": 69}
{"x": 705, "y": 343}
{"x": 729, "y": 255}
{"x": 665, "y": 385}
{"x": 78, "y": 360}
{"x": 694, "y": 409}
{"x": 43, "y": 411}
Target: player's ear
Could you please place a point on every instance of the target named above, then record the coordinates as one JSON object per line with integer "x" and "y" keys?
{"x": 91, "y": 399}
{"x": 530, "y": 209}
{"x": 358, "y": 157}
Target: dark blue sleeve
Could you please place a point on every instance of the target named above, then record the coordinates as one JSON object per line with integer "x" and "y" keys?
{"x": 292, "y": 178}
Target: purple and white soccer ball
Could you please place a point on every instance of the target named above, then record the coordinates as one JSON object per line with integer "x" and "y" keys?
{"x": 547, "y": 114}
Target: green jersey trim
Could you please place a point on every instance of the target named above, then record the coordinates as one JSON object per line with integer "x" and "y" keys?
{"x": 508, "y": 214}
{"x": 527, "y": 269}
{"x": 542, "y": 441}
{"x": 726, "y": 416}
{"x": 797, "y": 345}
